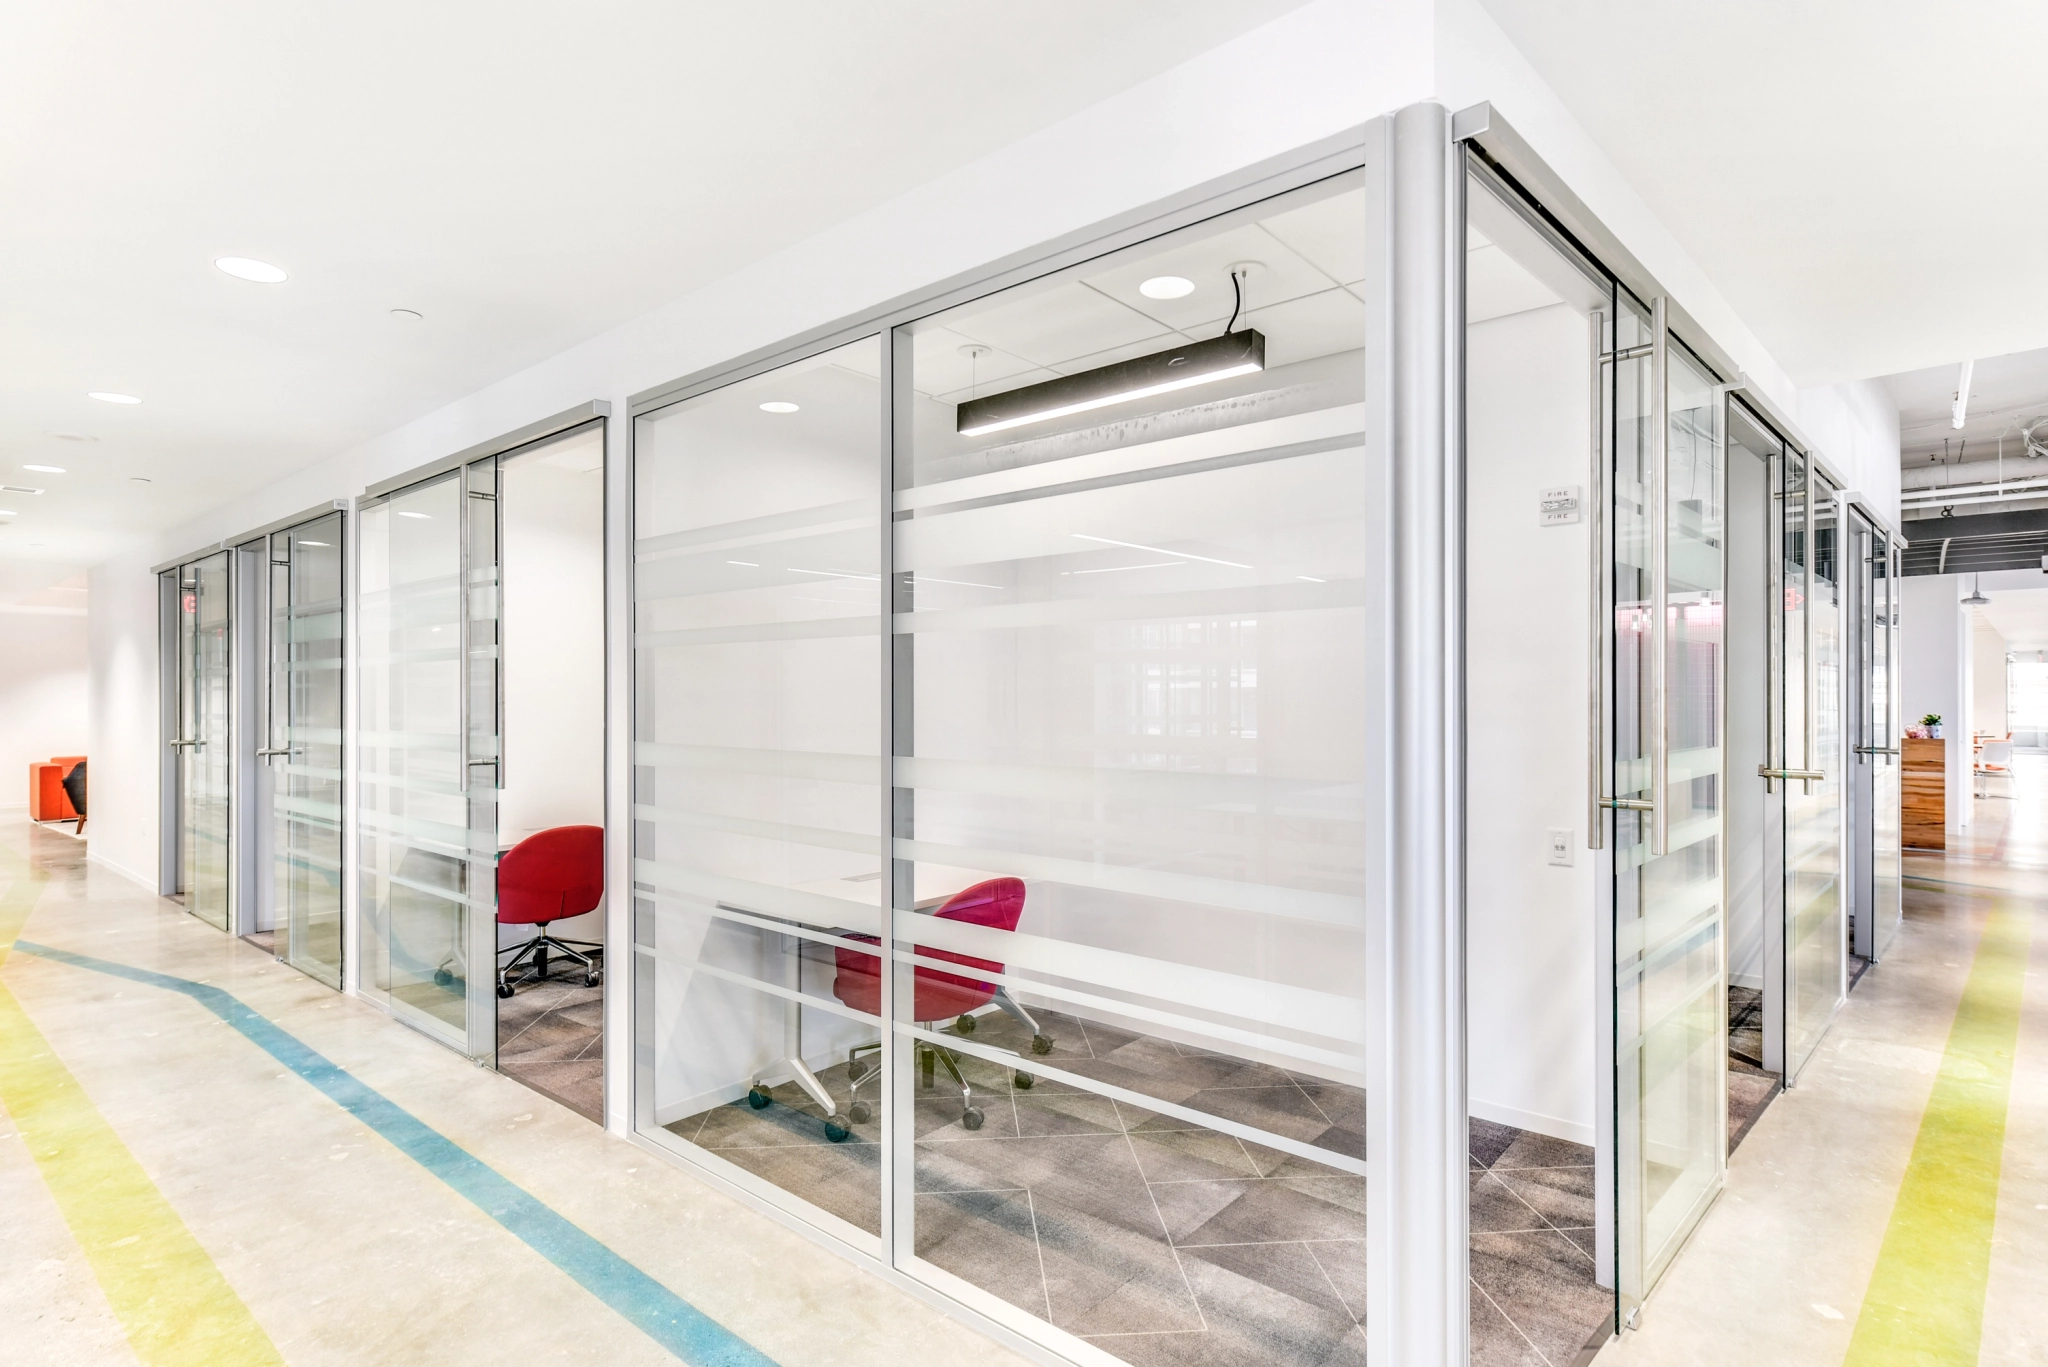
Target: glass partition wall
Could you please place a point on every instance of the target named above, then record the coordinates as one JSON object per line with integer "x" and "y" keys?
{"x": 199, "y": 746}
{"x": 297, "y": 765}
{"x": 427, "y": 727}
{"x": 1872, "y": 760}
{"x": 1815, "y": 929}
{"x": 1003, "y": 703}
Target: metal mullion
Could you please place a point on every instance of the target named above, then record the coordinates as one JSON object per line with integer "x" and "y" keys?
{"x": 1660, "y": 589}
{"x": 1600, "y": 694}
{"x": 898, "y": 1128}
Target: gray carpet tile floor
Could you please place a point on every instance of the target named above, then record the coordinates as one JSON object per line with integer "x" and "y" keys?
{"x": 551, "y": 1037}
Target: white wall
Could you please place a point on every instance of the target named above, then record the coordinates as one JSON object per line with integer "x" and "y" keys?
{"x": 1987, "y": 678}
{"x": 1529, "y": 940}
{"x": 1934, "y": 660}
{"x": 1855, "y": 427}
{"x": 551, "y": 559}
{"x": 43, "y": 669}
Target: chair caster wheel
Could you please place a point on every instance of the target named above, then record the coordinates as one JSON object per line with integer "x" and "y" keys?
{"x": 1024, "y": 1081}
{"x": 443, "y": 978}
{"x": 504, "y": 989}
{"x": 1041, "y": 1044}
{"x": 592, "y": 978}
{"x": 964, "y": 1025}
{"x": 759, "y": 1098}
{"x": 971, "y": 1118}
{"x": 837, "y": 1128}
{"x": 860, "y": 1113}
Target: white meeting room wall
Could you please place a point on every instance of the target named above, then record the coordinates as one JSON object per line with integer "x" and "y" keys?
{"x": 551, "y": 605}
{"x": 1529, "y": 940}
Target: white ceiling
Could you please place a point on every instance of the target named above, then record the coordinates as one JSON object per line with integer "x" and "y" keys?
{"x": 525, "y": 176}
{"x": 2020, "y": 616}
{"x": 2004, "y": 391}
{"x": 1862, "y": 181}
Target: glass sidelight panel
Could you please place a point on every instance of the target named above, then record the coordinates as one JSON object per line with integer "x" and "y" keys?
{"x": 303, "y": 745}
{"x": 426, "y": 763}
{"x": 1815, "y": 949}
{"x": 1882, "y": 728}
{"x": 757, "y": 780}
{"x": 1871, "y": 759}
{"x": 1669, "y": 768}
{"x": 203, "y": 745}
{"x": 1132, "y": 700}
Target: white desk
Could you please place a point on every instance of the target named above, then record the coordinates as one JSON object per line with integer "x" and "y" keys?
{"x": 932, "y": 886}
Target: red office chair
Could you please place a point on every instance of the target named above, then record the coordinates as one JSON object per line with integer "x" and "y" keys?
{"x": 998, "y": 903}
{"x": 550, "y": 876}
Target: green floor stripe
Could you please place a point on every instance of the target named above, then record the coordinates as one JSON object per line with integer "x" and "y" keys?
{"x": 172, "y": 1301}
{"x": 1925, "y": 1304}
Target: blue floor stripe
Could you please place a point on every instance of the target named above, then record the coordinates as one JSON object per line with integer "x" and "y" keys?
{"x": 652, "y": 1308}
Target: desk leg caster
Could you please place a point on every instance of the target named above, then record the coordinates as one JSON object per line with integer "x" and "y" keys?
{"x": 860, "y": 1113}
{"x": 1024, "y": 1081}
{"x": 972, "y": 1118}
{"x": 758, "y": 1097}
{"x": 1041, "y": 1044}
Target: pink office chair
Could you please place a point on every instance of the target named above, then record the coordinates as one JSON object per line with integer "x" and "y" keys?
{"x": 997, "y": 903}
{"x": 550, "y": 876}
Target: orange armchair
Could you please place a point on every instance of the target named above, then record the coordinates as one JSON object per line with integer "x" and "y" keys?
{"x": 47, "y": 800}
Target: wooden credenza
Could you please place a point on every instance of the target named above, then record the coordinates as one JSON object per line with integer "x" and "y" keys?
{"x": 1923, "y": 794}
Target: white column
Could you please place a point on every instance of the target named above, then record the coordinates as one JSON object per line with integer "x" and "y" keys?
{"x": 1934, "y": 658}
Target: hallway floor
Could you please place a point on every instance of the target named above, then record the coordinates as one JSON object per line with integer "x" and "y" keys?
{"x": 324, "y": 1186}
{"x": 1874, "y": 1214}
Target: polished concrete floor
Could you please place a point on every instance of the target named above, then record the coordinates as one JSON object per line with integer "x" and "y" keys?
{"x": 209, "y": 1160}
{"x": 1812, "y": 1255}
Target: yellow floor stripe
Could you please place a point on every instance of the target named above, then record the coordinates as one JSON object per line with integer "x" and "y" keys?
{"x": 1925, "y": 1304}
{"x": 174, "y": 1304}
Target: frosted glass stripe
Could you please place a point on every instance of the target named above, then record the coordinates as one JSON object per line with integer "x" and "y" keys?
{"x": 1347, "y": 420}
{"x": 1262, "y": 899}
{"x": 1252, "y": 600}
{"x": 801, "y": 629}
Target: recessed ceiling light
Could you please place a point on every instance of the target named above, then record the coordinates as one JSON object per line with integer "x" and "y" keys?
{"x": 8, "y": 512}
{"x": 407, "y": 315}
{"x": 45, "y": 469}
{"x": 315, "y": 543}
{"x": 105, "y": 397}
{"x": 405, "y": 514}
{"x": 1167, "y": 287}
{"x": 778, "y": 406}
{"x": 243, "y": 268}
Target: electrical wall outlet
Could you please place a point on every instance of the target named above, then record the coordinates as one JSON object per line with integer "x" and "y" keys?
{"x": 1561, "y": 848}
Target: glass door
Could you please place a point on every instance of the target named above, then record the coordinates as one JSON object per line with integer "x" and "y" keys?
{"x": 427, "y": 755}
{"x": 1811, "y": 705}
{"x": 1873, "y": 768}
{"x": 203, "y": 749}
{"x": 302, "y": 746}
{"x": 1666, "y": 510}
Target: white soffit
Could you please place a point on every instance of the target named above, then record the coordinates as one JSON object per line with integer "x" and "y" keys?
{"x": 1857, "y": 180}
